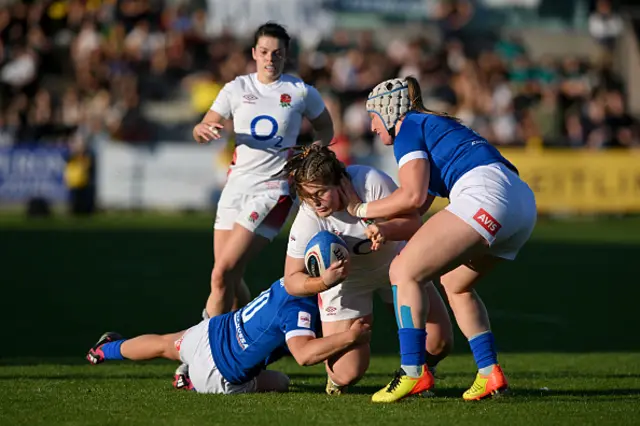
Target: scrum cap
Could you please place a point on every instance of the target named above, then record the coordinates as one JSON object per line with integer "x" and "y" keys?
{"x": 390, "y": 100}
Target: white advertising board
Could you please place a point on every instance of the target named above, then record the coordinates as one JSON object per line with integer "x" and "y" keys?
{"x": 165, "y": 176}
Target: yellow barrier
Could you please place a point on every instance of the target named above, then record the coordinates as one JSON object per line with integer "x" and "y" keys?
{"x": 581, "y": 181}
{"x": 574, "y": 181}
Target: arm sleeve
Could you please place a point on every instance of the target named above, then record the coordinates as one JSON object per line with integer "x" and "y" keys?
{"x": 313, "y": 103}
{"x": 410, "y": 144}
{"x": 303, "y": 229}
{"x": 299, "y": 319}
{"x": 222, "y": 104}
{"x": 378, "y": 185}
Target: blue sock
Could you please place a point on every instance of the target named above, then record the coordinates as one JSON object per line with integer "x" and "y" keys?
{"x": 111, "y": 350}
{"x": 413, "y": 352}
{"x": 484, "y": 351}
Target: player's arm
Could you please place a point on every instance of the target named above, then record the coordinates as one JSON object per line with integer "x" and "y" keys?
{"x": 323, "y": 127}
{"x": 411, "y": 195}
{"x": 318, "y": 115}
{"x": 378, "y": 186}
{"x": 209, "y": 128}
{"x": 308, "y": 350}
{"x": 214, "y": 120}
{"x": 298, "y": 283}
{"x": 400, "y": 228}
{"x": 413, "y": 177}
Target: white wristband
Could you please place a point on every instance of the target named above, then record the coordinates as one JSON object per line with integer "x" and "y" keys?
{"x": 361, "y": 210}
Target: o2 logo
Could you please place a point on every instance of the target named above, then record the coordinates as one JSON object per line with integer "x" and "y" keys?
{"x": 271, "y": 134}
{"x": 362, "y": 247}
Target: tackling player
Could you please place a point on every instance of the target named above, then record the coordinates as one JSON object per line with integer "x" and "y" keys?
{"x": 491, "y": 215}
{"x": 267, "y": 108}
{"x": 229, "y": 353}
{"x": 346, "y": 298}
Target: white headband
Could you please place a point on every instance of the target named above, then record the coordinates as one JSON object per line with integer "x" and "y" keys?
{"x": 390, "y": 100}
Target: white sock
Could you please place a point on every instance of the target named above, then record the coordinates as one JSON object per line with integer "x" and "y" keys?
{"x": 486, "y": 370}
{"x": 412, "y": 370}
{"x": 334, "y": 383}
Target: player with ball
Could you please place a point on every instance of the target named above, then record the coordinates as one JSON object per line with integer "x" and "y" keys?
{"x": 354, "y": 265}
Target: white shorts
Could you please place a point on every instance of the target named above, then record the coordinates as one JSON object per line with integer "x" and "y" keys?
{"x": 195, "y": 351}
{"x": 498, "y": 205}
{"x": 264, "y": 213}
{"x": 354, "y": 299}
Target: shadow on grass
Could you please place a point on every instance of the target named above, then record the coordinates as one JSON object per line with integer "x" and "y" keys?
{"x": 470, "y": 375}
{"x": 84, "y": 376}
{"x": 80, "y": 360}
{"x": 513, "y": 394}
{"x": 298, "y": 386}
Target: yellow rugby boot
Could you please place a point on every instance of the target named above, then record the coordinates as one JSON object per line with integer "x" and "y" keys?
{"x": 402, "y": 386}
{"x": 492, "y": 384}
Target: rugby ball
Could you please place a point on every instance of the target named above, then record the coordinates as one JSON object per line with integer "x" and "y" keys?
{"x": 324, "y": 249}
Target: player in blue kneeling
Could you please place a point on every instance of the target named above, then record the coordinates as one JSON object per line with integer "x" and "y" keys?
{"x": 229, "y": 353}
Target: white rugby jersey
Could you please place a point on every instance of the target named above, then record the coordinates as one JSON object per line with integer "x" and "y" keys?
{"x": 368, "y": 268}
{"x": 266, "y": 118}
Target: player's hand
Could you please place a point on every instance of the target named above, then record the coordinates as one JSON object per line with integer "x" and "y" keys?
{"x": 336, "y": 273}
{"x": 205, "y": 132}
{"x": 375, "y": 233}
{"x": 361, "y": 331}
{"x": 348, "y": 196}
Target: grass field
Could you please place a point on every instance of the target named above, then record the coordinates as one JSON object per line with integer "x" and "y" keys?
{"x": 564, "y": 315}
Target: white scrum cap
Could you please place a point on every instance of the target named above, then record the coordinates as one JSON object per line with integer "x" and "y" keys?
{"x": 390, "y": 100}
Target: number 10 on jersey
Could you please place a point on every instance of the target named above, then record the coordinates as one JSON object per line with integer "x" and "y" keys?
{"x": 254, "y": 306}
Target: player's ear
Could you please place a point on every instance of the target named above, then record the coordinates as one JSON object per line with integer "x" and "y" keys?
{"x": 253, "y": 53}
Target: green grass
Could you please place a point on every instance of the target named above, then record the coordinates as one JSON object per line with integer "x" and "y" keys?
{"x": 581, "y": 390}
{"x": 564, "y": 315}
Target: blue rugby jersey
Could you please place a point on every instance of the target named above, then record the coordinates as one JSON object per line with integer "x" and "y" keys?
{"x": 451, "y": 148}
{"x": 245, "y": 341}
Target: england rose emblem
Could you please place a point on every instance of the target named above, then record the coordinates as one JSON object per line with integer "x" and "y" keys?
{"x": 285, "y": 100}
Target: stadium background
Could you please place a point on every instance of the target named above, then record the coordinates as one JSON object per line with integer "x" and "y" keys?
{"x": 106, "y": 202}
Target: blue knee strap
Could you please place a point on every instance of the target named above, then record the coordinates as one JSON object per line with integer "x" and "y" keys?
{"x": 402, "y": 313}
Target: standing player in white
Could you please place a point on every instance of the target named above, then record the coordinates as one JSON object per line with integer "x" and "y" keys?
{"x": 267, "y": 108}
{"x": 346, "y": 290}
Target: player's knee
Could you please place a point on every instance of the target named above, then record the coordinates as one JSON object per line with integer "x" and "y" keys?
{"x": 344, "y": 374}
{"x": 346, "y": 377}
{"x": 454, "y": 288}
{"x": 440, "y": 347}
{"x": 280, "y": 382}
{"x": 398, "y": 272}
{"x": 272, "y": 381}
{"x": 170, "y": 351}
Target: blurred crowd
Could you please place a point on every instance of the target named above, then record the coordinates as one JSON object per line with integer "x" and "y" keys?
{"x": 139, "y": 71}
